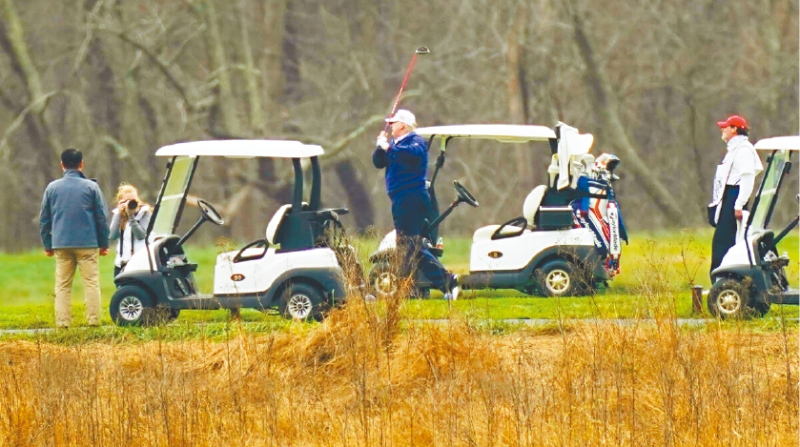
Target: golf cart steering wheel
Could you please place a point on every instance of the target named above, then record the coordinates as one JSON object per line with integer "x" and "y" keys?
{"x": 464, "y": 195}
{"x": 209, "y": 213}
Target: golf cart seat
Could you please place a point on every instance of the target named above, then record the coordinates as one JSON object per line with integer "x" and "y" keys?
{"x": 518, "y": 225}
{"x": 274, "y": 225}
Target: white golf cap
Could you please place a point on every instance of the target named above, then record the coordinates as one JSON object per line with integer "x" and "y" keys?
{"x": 403, "y": 116}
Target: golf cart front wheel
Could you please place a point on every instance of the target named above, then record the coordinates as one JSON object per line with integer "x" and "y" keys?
{"x": 384, "y": 280}
{"x": 302, "y": 302}
{"x": 132, "y": 306}
{"x": 559, "y": 278}
{"x": 730, "y": 299}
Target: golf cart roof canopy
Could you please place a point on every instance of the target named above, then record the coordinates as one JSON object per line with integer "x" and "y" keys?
{"x": 790, "y": 143}
{"x": 242, "y": 149}
{"x": 506, "y": 133}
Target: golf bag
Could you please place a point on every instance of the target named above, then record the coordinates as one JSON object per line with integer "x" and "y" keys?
{"x": 597, "y": 209}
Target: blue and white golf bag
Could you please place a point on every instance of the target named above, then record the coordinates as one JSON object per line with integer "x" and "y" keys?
{"x": 597, "y": 209}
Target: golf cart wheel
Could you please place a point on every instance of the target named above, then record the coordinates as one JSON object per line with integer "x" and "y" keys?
{"x": 731, "y": 299}
{"x": 559, "y": 278}
{"x": 384, "y": 280}
{"x": 132, "y": 306}
{"x": 302, "y": 302}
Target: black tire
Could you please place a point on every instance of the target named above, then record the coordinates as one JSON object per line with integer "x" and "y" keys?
{"x": 163, "y": 314}
{"x": 302, "y": 302}
{"x": 132, "y": 306}
{"x": 731, "y": 299}
{"x": 558, "y": 277}
{"x": 383, "y": 280}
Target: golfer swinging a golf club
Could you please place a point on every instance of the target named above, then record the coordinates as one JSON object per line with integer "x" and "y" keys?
{"x": 405, "y": 158}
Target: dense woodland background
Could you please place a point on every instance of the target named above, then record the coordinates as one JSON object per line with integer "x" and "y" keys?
{"x": 648, "y": 78}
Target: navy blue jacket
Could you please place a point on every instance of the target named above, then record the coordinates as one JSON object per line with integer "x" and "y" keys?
{"x": 73, "y": 213}
{"x": 406, "y": 163}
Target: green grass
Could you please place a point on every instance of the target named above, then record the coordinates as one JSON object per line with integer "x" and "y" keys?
{"x": 657, "y": 271}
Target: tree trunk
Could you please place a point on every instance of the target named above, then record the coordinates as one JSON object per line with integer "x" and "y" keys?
{"x": 357, "y": 195}
{"x": 613, "y": 131}
{"x": 517, "y": 94}
{"x": 253, "y": 95}
{"x": 20, "y": 55}
{"x": 12, "y": 39}
{"x": 101, "y": 99}
{"x": 290, "y": 62}
{"x": 226, "y": 103}
{"x": 696, "y": 151}
{"x": 222, "y": 116}
{"x": 273, "y": 77}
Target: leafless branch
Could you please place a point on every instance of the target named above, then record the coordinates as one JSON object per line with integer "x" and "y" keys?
{"x": 40, "y": 103}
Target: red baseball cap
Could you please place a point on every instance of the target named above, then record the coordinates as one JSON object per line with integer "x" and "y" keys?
{"x": 733, "y": 120}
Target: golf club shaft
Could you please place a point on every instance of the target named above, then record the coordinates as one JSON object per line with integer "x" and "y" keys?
{"x": 403, "y": 85}
{"x": 421, "y": 50}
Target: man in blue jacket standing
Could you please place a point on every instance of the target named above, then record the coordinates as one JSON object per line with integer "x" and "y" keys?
{"x": 405, "y": 159}
{"x": 73, "y": 224}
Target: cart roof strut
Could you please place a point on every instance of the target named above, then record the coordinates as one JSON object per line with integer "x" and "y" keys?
{"x": 790, "y": 143}
{"x": 242, "y": 149}
{"x": 506, "y": 133}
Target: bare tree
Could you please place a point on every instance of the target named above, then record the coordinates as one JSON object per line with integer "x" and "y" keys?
{"x": 605, "y": 106}
{"x": 649, "y": 79}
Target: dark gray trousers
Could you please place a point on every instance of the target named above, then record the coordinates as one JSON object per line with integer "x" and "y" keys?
{"x": 725, "y": 234}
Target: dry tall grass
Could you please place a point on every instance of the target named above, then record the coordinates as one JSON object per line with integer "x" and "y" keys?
{"x": 366, "y": 377}
{"x": 361, "y": 379}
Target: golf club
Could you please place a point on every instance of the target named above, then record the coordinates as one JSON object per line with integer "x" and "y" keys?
{"x": 418, "y": 51}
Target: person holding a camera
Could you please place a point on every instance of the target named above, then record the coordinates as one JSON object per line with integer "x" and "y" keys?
{"x": 129, "y": 222}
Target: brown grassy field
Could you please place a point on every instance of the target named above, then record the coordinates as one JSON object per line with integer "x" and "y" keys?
{"x": 366, "y": 378}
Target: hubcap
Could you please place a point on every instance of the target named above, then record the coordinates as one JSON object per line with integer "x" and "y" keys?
{"x": 385, "y": 283}
{"x": 130, "y": 308}
{"x": 557, "y": 281}
{"x": 299, "y": 306}
{"x": 729, "y": 302}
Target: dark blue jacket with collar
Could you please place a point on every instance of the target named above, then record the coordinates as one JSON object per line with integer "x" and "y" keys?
{"x": 406, "y": 163}
{"x": 73, "y": 213}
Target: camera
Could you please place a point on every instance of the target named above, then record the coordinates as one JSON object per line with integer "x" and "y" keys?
{"x": 132, "y": 204}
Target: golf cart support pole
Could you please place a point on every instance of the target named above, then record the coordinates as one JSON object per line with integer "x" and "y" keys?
{"x": 439, "y": 160}
{"x": 316, "y": 185}
{"x": 297, "y": 200}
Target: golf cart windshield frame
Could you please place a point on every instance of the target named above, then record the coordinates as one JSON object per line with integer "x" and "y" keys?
{"x": 778, "y": 165}
{"x": 174, "y": 189}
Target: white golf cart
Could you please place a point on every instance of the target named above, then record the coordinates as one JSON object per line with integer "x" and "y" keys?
{"x": 292, "y": 268}
{"x": 752, "y": 274}
{"x": 567, "y": 240}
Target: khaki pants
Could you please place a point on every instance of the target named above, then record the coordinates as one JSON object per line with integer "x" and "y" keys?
{"x": 67, "y": 259}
